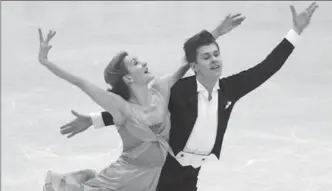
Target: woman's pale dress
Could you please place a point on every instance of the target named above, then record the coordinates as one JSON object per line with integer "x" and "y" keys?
{"x": 145, "y": 146}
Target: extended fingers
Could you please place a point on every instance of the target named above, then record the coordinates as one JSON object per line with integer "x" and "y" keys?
{"x": 312, "y": 5}
{"x": 239, "y": 20}
{"x": 235, "y": 19}
{"x": 41, "y": 38}
{"x": 292, "y": 8}
{"x": 71, "y": 135}
{"x": 66, "y": 130}
{"x": 312, "y": 10}
{"x": 66, "y": 125}
{"x": 50, "y": 35}
{"x": 236, "y": 15}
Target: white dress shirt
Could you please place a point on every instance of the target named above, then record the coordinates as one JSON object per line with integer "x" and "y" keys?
{"x": 203, "y": 136}
{"x": 206, "y": 122}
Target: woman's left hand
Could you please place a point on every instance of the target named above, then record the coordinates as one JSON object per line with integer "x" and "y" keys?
{"x": 44, "y": 47}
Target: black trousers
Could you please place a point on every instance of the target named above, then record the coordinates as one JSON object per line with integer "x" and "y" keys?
{"x": 175, "y": 177}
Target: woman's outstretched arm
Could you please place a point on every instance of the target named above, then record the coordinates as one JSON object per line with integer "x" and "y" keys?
{"x": 109, "y": 101}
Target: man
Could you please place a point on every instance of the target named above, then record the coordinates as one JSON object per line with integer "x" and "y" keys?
{"x": 201, "y": 105}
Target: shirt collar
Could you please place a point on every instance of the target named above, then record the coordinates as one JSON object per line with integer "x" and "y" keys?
{"x": 201, "y": 88}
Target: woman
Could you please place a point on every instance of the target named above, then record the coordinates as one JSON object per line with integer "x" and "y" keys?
{"x": 138, "y": 101}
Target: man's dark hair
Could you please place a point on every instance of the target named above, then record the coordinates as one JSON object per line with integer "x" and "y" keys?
{"x": 202, "y": 38}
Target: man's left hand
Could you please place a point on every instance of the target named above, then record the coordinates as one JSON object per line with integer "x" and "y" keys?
{"x": 302, "y": 20}
{"x": 228, "y": 24}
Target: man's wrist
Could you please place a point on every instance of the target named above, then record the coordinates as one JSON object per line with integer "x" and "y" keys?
{"x": 215, "y": 33}
{"x": 293, "y": 37}
{"x": 97, "y": 120}
{"x": 297, "y": 30}
{"x": 90, "y": 120}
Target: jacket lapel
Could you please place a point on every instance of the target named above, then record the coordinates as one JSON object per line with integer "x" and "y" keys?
{"x": 222, "y": 102}
{"x": 192, "y": 103}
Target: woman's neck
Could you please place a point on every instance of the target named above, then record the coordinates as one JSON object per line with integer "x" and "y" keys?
{"x": 140, "y": 94}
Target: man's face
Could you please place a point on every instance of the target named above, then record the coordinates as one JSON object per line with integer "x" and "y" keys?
{"x": 208, "y": 62}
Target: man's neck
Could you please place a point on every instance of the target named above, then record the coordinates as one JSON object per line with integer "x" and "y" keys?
{"x": 208, "y": 83}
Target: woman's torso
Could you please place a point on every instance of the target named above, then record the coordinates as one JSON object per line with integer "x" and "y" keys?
{"x": 145, "y": 133}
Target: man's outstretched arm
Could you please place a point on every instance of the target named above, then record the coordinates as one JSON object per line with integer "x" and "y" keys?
{"x": 244, "y": 82}
{"x": 83, "y": 122}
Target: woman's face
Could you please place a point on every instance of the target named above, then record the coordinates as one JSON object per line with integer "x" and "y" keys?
{"x": 138, "y": 72}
